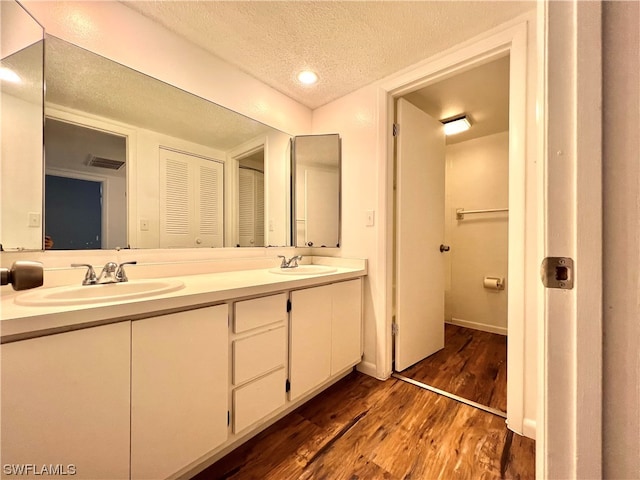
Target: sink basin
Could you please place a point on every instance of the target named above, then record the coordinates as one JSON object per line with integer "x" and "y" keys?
{"x": 304, "y": 270}
{"x": 84, "y": 294}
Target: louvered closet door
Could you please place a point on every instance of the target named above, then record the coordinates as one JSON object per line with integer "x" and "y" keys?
{"x": 251, "y": 211}
{"x": 191, "y": 208}
{"x": 246, "y": 212}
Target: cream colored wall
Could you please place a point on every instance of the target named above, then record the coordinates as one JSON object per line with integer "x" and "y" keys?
{"x": 18, "y": 30}
{"x": 621, "y": 182}
{"x": 477, "y": 177}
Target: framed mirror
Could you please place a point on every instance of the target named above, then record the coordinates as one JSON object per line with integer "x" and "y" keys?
{"x": 315, "y": 176}
{"x": 21, "y": 101}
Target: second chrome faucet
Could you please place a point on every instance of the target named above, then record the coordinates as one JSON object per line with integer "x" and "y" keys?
{"x": 291, "y": 263}
{"x": 111, "y": 273}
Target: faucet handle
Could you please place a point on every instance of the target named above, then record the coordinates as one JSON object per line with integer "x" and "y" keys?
{"x": 284, "y": 263}
{"x": 294, "y": 260}
{"x": 121, "y": 275}
{"x": 90, "y": 277}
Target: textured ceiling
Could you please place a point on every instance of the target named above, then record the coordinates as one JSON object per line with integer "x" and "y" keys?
{"x": 84, "y": 81}
{"x": 349, "y": 44}
{"x": 481, "y": 93}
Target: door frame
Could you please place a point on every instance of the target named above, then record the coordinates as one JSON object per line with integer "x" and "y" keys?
{"x": 510, "y": 39}
{"x": 569, "y": 441}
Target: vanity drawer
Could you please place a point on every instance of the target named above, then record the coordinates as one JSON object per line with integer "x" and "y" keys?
{"x": 256, "y": 355}
{"x": 258, "y": 399}
{"x": 258, "y": 312}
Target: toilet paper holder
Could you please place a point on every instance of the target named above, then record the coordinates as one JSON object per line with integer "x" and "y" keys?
{"x": 493, "y": 283}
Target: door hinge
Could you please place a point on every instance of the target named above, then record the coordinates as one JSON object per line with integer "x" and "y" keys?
{"x": 557, "y": 272}
{"x": 396, "y": 129}
{"x": 288, "y": 306}
{"x": 228, "y": 418}
{"x": 287, "y": 386}
{"x": 394, "y": 328}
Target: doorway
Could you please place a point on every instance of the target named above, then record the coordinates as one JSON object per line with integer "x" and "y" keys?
{"x": 85, "y": 187}
{"x": 452, "y": 198}
{"x": 74, "y": 213}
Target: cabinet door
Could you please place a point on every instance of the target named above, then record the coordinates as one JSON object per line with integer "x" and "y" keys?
{"x": 346, "y": 325}
{"x": 310, "y": 347}
{"x": 65, "y": 403}
{"x": 179, "y": 390}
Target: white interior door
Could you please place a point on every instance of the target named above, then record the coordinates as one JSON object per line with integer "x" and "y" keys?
{"x": 420, "y": 167}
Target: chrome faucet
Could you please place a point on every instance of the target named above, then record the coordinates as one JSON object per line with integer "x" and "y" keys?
{"x": 291, "y": 263}
{"x": 111, "y": 273}
{"x": 108, "y": 274}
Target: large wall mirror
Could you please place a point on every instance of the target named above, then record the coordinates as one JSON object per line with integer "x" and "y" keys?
{"x": 21, "y": 88}
{"x": 315, "y": 174}
{"x": 134, "y": 162}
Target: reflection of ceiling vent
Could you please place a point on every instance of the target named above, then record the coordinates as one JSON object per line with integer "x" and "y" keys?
{"x": 104, "y": 163}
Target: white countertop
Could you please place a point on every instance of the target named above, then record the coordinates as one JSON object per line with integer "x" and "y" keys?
{"x": 19, "y": 321}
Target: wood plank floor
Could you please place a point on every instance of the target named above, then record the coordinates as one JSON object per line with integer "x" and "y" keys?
{"x": 362, "y": 429}
{"x": 472, "y": 365}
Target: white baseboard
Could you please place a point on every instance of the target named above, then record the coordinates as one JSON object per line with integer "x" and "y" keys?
{"x": 368, "y": 368}
{"x": 478, "y": 326}
{"x": 529, "y": 428}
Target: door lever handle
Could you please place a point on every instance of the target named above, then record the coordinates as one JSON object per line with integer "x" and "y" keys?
{"x": 444, "y": 248}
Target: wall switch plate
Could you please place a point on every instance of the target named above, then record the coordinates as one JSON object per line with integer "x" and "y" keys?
{"x": 370, "y": 218}
{"x": 144, "y": 225}
{"x": 34, "y": 220}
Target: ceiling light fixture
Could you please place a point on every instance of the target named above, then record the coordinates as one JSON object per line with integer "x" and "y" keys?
{"x": 456, "y": 125}
{"x": 9, "y": 75}
{"x": 307, "y": 77}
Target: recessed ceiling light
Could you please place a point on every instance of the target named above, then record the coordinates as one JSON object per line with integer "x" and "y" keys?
{"x": 9, "y": 75}
{"x": 307, "y": 77}
{"x": 456, "y": 125}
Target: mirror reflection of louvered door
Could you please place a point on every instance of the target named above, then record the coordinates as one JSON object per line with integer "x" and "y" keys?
{"x": 251, "y": 208}
{"x": 191, "y": 200}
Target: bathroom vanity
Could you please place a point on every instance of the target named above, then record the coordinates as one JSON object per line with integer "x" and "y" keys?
{"x": 161, "y": 386}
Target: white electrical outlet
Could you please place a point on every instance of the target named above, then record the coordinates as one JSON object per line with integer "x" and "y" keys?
{"x": 34, "y": 220}
{"x": 271, "y": 226}
{"x": 370, "y": 218}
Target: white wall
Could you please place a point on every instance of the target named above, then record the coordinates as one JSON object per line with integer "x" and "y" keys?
{"x": 477, "y": 177}
{"x": 621, "y": 178}
{"x": 354, "y": 118}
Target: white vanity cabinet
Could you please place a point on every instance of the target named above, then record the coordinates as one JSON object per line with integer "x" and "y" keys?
{"x": 259, "y": 359}
{"x": 326, "y": 334}
{"x": 65, "y": 404}
{"x": 179, "y": 389}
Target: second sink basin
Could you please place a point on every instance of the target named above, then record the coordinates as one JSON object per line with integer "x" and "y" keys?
{"x": 304, "y": 270}
{"x": 84, "y": 294}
